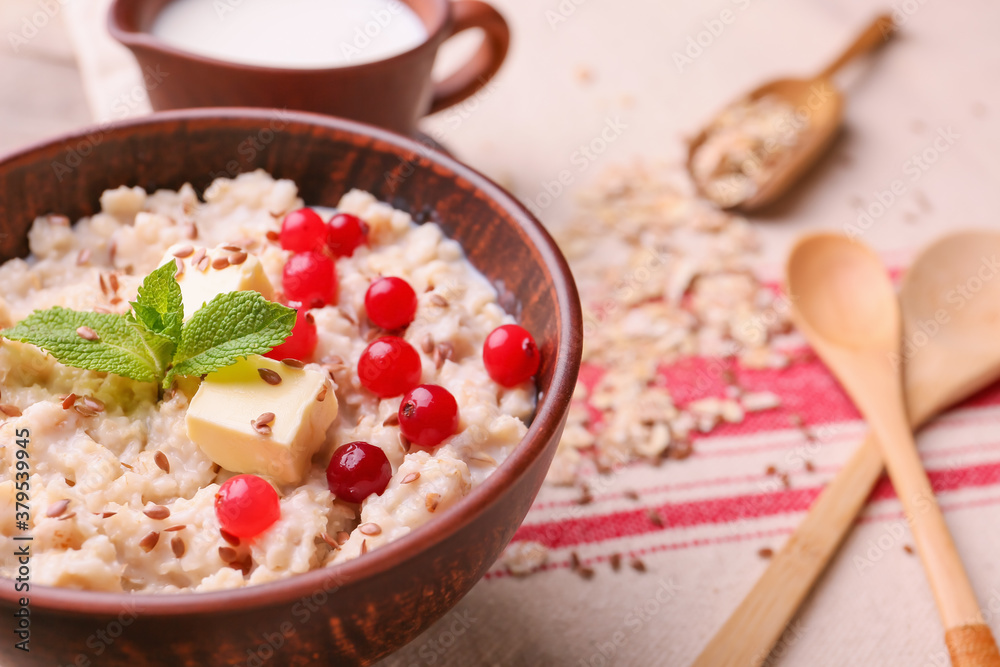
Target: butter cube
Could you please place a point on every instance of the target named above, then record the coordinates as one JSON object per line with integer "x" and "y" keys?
{"x": 201, "y": 281}
{"x": 222, "y": 415}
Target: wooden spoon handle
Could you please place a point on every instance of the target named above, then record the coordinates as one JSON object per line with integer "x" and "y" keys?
{"x": 972, "y": 646}
{"x": 752, "y": 630}
{"x": 874, "y": 35}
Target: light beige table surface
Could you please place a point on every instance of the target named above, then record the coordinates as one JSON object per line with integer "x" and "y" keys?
{"x": 615, "y": 62}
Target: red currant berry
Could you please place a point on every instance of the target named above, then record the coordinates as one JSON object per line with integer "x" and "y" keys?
{"x": 301, "y": 343}
{"x": 302, "y": 230}
{"x": 389, "y": 366}
{"x": 428, "y": 415}
{"x": 510, "y": 355}
{"x": 358, "y": 470}
{"x": 246, "y": 505}
{"x": 391, "y": 303}
{"x": 344, "y": 233}
{"x": 311, "y": 279}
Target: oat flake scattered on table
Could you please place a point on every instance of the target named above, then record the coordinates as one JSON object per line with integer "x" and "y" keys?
{"x": 663, "y": 275}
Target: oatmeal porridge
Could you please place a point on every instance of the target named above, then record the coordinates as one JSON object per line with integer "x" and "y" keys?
{"x": 402, "y": 386}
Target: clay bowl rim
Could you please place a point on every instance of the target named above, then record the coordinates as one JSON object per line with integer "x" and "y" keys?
{"x": 136, "y": 37}
{"x": 553, "y": 400}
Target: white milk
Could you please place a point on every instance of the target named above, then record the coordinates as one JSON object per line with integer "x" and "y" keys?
{"x": 291, "y": 33}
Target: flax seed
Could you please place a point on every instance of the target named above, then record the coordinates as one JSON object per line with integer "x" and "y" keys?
{"x": 370, "y": 529}
{"x": 148, "y": 543}
{"x": 85, "y": 411}
{"x": 161, "y": 461}
{"x": 177, "y": 546}
{"x": 87, "y": 333}
{"x": 184, "y": 251}
{"x": 157, "y": 512}
{"x": 431, "y": 501}
{"x": 220, "y": 263}
{"x": 269, "y": 376}
{"x": 94, "y": 404}
{"x": 411, "y": 477}
{"x": 57, "y": 508}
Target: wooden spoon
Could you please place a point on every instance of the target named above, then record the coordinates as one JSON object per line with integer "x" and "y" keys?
{"x": 955, "y": 361}
{"x": 844, "y": 304}
{"x": 819, "y": 111}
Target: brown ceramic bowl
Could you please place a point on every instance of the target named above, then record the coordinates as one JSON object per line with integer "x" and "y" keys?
{"x": 393, "y": 92}
{"x": 360, "y": 610}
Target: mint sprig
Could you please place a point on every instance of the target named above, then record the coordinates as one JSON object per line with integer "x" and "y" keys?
{"x": 152, "y": 343}
{"x": 229, "y": 327}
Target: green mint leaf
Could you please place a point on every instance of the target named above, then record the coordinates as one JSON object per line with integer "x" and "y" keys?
{"x": 159, "y": 307}
{"x": 123, "y": 347}
{"x": 229, "y": 327}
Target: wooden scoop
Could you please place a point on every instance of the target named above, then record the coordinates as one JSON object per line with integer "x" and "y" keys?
{"x": 955, "y": 360}
{"x": 819, "y": 110}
